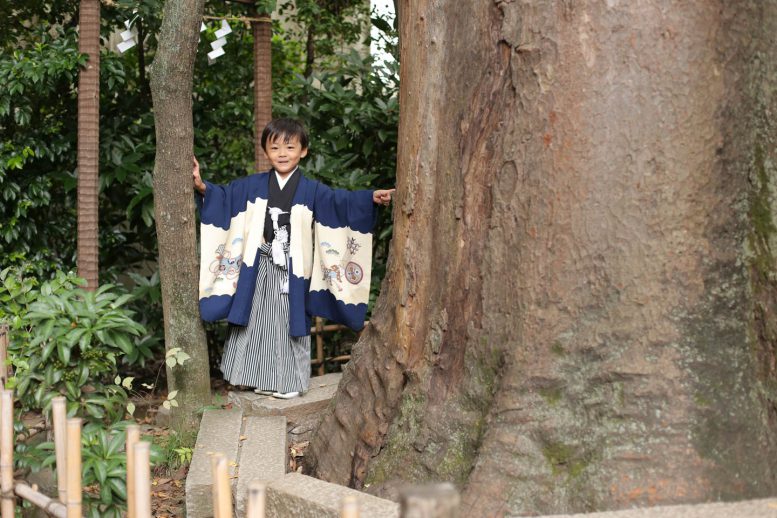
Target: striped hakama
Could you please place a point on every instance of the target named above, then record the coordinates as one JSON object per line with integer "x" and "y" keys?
{"x": 263, "y": 354}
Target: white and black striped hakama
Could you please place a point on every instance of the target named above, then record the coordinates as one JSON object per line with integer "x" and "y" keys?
{"x": 263, "y": 354}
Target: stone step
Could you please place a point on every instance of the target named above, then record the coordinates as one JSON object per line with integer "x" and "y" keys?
{"x": 219, "y": 433}
{"x": 300, "y": 496}
{"x": 302, "y": 414}
{"x": 747, "y": 509}
{"x": 263, "y": 454}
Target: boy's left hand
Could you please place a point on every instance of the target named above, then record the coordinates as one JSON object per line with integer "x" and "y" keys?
{"x": 382, "y": 196}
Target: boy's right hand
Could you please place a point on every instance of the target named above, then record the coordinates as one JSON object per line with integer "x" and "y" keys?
{"x": 198, "y": 183}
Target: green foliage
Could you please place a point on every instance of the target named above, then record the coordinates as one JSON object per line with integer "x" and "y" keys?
{"x": 174, "y": 449}
{"x": 327, "y": 27}
{"x": 65, "y": 340}
{"x": 37, "y": 145}
{"x": 352, "y": 115}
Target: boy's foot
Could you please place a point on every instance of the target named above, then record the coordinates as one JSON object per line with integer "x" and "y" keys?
{"x": 285, "y": 395}
{"x": 264, "y": 392}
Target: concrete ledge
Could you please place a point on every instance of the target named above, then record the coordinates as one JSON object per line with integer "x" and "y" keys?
{"x": 219, "y": 432}
{"x": 263, "y": 454}
{"x": 748, "y": 509}
{"x": 322, "y": 389}
{"x": 300, "y": 496}
{"x": 302, "y": 414}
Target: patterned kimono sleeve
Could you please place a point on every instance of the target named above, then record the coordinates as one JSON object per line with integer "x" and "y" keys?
{"x": 342, "y": 258}
{"x": 220, "y": 248}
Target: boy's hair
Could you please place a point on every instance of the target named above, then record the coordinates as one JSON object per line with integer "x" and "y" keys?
{"x": 287, "y": 129}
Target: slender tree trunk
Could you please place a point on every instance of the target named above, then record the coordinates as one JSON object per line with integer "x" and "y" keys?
{"x": 142, "y": 79}
{"x": 88, "y": 241}
{"x": 580, "y": 300}
{"x": 171, "y": 89}
{"x": 310, "y": 51}
{"x": 262, "y": 32}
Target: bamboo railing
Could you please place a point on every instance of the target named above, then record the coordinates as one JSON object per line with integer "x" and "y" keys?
{"x": 318, "y": 331}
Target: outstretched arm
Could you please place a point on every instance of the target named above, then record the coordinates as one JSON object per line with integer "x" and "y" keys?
{"x": 382, "y": 196}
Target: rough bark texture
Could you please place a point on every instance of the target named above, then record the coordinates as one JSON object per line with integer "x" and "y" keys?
{"x": 580, "y": 300}
{"x": 262, "y": 32}
{"x": 88, "y": 146}
{"x": 171, "y": 89}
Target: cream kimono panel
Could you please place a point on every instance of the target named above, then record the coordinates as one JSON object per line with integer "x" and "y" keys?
{"x": 222, "y": 252}
{"x": 342, "y": 263}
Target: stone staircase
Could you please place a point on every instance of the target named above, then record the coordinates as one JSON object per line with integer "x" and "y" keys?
{"x": 253, "y": 435}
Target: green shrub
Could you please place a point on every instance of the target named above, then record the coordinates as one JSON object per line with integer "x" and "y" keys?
{"x": 66, "y": 340}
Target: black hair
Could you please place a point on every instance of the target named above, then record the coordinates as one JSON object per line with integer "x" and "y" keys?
{"x": 288, "y": 129}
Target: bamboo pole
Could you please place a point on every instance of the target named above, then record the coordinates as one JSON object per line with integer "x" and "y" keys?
{"x": 256, "y": 499}
{"x": 3, "y": 354}
{"x": 349, "y": 507}
{"x": 8, "y": 504}
{"x": 320, "y": 345}
{"x": 133, "y": 436}
{"x": 59, "y": 418}
{"x": 341, "y": 358}
{"x": 222, "y": 493}
{"x": 334, "y": 327}
{"x": 73, "y": 501}
{"x": 141, "y": 450}
{"x": 49, "y": 505}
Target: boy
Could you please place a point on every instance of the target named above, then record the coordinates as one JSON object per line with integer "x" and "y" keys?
{"x": 264, "y": 240}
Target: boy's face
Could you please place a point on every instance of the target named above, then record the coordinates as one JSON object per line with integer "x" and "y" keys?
{"x": 285, "y": 156}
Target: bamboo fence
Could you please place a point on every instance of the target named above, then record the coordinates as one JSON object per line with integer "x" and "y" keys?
{"x": 318, "y": 331}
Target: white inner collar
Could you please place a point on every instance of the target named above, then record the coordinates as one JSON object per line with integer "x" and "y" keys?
{"x": 282, "y": 180}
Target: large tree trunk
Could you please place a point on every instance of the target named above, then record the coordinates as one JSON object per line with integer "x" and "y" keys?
{"x": 88, "y": 146}
{"x": 579, "y": 306}
{"x": 171, "y": 90}
{"x": 262, "y": 32}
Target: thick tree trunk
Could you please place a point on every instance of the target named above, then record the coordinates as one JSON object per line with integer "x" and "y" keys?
{"x": 88, "y": 240}
{"x": 262, "y": 32}
{"x": 579, "y": 306}
{"x": 171, "y": 89}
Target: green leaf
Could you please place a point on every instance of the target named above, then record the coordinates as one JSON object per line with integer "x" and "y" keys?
{"x": 131, "y": 408}
{"x": 64, "y": 353}
{"x": 118, "y": 486}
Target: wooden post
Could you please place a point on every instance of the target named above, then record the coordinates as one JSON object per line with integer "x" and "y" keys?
{"x": 133, "y": 436}
{"x": 261, "y": 28}
{"x": 430, "y": 501}
{"x": 59, "y": 423}
{"x": 222, "y": 492}
{"x": 3, "y": 354}
{"x": 349, "y": 507}
{"x": 255, "y": 507}
{"x": 320, "y": 345}
{"x": 73, "y": 502}
{"x": 141, "y": 451}
{"x": 8, "y": 503}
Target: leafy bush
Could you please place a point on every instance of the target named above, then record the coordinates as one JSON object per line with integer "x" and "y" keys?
{"x": 65, "y": 340}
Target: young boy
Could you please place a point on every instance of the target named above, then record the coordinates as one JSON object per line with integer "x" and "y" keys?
{"x": 276, "y": 248}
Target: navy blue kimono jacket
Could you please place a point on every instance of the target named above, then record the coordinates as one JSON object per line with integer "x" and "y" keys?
{"x": 330, "y": 249}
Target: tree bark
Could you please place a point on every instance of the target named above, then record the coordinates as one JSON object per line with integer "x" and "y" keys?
{"x": 578, "y": 311}
{"x": 310, "y": 51}
{"x": 262, "y": 32}
{"x": 88, "y": 146}
{"x": 171, "y": 89}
